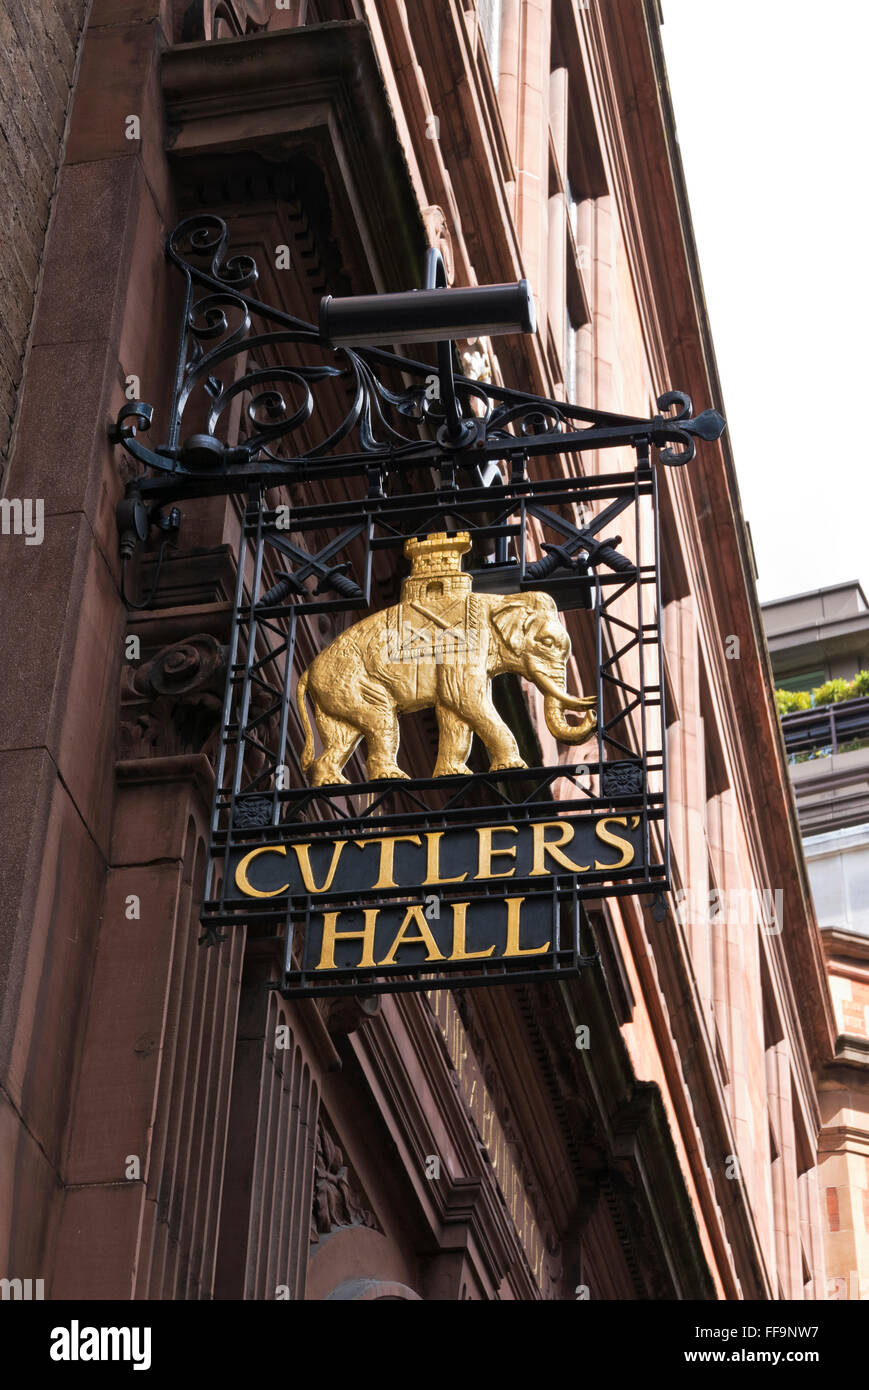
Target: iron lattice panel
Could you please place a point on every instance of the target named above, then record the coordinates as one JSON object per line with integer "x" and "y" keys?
{"x": 262, "y": 798}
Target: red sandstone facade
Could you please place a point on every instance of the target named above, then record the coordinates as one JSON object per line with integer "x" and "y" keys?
{"x": 155, "y": 1141}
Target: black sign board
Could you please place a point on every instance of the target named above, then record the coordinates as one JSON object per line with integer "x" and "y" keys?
{"x": 433, "y": 862}
{"x": 429, "y": 932}
{"x": 415, "y": 909}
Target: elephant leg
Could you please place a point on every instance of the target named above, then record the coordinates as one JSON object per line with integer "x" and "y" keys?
{"x": 339, "y": 740}
{"x": 454, "y": 745}
{"x": 488, "y": 725}
{"x": 378, "y": 721}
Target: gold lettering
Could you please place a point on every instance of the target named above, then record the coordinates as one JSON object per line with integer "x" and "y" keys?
{"x": 460, "y": 950}
{"x": 488, "y": 1117}
{"x": 542, "y": 847}
{"x": 489, "y": 1128}
{"x": 243, "y": 882}
{"x": 454, "y": 1033}
{"x": 387, "y": 857}
{"x": 487, "y": 853}
{"x": 616, "y": 841}
{"x": 433, "y": 860}
{"x": 413, "y": 914}
{"x": 480, "y": 1108}
{"x": 503, "y": 1159}
{"x": 514, "y": 907}
{"x": 456, "y": 1044}
{"x": 303, "y": 854}
{"x": 330, "y": 936}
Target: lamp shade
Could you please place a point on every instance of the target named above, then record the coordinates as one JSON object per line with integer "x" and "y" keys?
{"x": 428, "y": 316}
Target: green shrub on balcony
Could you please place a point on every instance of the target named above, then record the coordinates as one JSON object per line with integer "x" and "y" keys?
{"x": 788, "y": 701}
{"x": 830, "y": 693}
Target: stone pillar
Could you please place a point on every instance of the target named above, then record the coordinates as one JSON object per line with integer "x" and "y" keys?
{"x": 63, "y": 633}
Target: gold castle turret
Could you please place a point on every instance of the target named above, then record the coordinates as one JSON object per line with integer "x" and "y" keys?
{"x": 436, "y": 574}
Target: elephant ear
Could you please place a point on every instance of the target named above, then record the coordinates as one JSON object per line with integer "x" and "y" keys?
{"x": 511, "y": 624}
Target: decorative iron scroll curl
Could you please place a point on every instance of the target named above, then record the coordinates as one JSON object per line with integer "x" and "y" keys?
{"x": 709, "y": 425}
{"x": 221, "y": 19}
{"x": 233, "y": 347}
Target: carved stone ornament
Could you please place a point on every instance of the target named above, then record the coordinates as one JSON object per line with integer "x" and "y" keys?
{"x": 172, "y": 703}
{"x": 348, "y": 1013}
{"x": 476, "y": 360}
{"x": 337, "y": 1203}
{"x": 439, "y": 648}
{"x": 438, "y": 234}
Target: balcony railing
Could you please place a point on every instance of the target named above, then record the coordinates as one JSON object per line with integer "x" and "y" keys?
{"x": 837, "y": 728}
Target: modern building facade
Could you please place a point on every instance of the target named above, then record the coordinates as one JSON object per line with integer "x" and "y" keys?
{"x": 814, "y": 639}
{"x": 171, "y": 1127}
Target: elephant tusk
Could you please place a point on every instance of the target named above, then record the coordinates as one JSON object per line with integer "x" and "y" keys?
{"x": 568, "y": 701}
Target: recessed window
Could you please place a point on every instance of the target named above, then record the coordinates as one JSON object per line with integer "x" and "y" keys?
{"x": 489, "y": 15}
{"x": 572, "y": 202}
{"x": 838, "y": 864}
{"x": 802, "y": 680}
{"x": 571, "y": 335}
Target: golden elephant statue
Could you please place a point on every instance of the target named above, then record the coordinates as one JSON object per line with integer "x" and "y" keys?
{"x": 439, "y": 647}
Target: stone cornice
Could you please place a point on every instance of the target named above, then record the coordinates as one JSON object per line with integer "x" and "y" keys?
{"x": 852, "y": 1050}
{"x": 841, "y": 945}
{"x": 318, "y": 88}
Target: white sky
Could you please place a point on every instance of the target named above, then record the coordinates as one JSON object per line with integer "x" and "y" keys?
{"x": 771, "y": 109}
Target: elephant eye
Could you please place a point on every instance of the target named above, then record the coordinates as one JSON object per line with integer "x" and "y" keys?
{"x": 546, "y": 641}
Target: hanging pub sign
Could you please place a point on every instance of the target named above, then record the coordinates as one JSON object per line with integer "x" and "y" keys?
{"x": 472, "y": 870}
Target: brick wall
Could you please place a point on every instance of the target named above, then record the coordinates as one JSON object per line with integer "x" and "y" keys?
{"x": 38, "y": 47}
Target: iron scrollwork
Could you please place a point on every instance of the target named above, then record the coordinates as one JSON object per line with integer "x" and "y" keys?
{"x": 227, "y": 341}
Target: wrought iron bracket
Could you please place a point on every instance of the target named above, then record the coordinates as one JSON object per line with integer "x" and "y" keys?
{"x": 227, "y": 344}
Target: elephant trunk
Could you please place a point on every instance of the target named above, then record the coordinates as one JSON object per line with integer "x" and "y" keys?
{"x": 556, "y": 701}
{"x": 553, "y": 713}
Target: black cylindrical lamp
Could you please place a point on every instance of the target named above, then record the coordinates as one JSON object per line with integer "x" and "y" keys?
{"x": 428, "y": 316}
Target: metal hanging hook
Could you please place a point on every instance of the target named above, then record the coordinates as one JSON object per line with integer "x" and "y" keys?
{"x": 436, "y": 279}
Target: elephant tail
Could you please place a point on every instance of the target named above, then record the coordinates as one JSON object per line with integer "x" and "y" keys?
{"x": 308, "y": 750}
